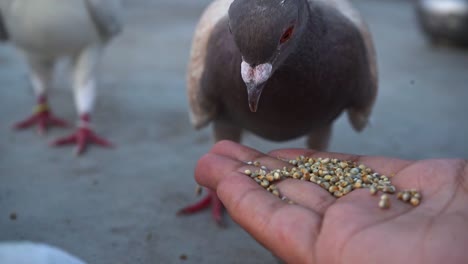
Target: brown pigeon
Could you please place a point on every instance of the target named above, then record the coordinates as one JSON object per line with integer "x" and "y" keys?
{"x": 280, "y": 69}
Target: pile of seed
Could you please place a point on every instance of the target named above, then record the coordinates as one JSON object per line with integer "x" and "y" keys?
{"x": 338, "y": 177}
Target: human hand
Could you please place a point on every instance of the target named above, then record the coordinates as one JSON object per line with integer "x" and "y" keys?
{"x": 320, "y": 228}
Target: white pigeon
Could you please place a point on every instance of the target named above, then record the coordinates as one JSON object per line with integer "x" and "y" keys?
{"x": 34, "y": 253}
{"x": 48, "y": 30}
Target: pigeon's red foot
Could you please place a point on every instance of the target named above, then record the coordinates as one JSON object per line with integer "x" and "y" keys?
{"x": 216, "y": 208}
{"x": 43, "y": 117}
{"x": 82, "y": 137}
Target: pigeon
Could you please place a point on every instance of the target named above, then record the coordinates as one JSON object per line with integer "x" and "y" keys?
{"x": 48, "y": 30}
{"x": 25, "y": 252}
{"x": 280, "y": 69}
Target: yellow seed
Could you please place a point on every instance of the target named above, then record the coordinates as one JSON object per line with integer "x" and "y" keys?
{"x": 338, "y": 194}
{"x": 400, "y": 195}
{"x": 417, "y": 195}
{"x": 265, "y": 183}
{"x": 325, "y": 161}
{"x": 248, "y": 172}
{"x": 332, "y": 189}
{"x": 275, "y": 192}
{"x": 358, "y": 184}
{"x": 366, "y": 179}
{"x": 347, "y": 189}
{"x": 389, "y": 189}
{"x": 384, "y": 197}
{"x": 414, "y": 201}
{"x": 373, "y": 190}
{"x": 384, "y": 204}
{"x": 256, "y": 163}
{"x": 276, "y": 176}
{"x": 270, "y": 177}
{"x": 325, "y": 185}
{"x": 296, "y": 175}
{"x": 406, "y": 196}
{"x": 327, "y": 177}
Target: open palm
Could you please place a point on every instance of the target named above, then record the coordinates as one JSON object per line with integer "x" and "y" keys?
{"x": 320, "y": 228}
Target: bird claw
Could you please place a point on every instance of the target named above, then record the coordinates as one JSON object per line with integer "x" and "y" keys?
{"x": 82, "y": 138}
{"x": 43, "y": 119}
{"x": 210, "y": 200}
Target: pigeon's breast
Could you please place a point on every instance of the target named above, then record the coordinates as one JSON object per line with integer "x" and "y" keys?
{"x": 288, "y": 108}
{"x": 50, "y": 27}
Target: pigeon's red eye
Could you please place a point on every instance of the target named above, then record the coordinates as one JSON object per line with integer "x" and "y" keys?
{"x": 287, "y": 34}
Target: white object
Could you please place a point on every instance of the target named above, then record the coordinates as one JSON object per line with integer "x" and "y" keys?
{"x": 34, "y": 253}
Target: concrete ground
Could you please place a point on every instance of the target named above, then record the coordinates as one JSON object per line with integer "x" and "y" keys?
{"x": 118, "y": 206}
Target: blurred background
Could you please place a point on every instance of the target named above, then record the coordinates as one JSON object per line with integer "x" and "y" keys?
{"x": 119, "y": 206}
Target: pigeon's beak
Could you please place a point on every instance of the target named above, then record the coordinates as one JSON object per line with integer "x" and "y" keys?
{"x": 255, "y": 79}
{"x": 254, "y": 92}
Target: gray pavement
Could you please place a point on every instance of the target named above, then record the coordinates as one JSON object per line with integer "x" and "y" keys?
{"x": 118, "y": 206}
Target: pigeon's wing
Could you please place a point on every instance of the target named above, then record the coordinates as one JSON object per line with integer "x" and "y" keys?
{"x": 107, "y": 16}
{"x": 3, "y": 32}
{"x": 202, "y": 110}
{"x": 359, "y": 116}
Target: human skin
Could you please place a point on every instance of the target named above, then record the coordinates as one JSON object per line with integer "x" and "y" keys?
{"x": 320, "y": 228}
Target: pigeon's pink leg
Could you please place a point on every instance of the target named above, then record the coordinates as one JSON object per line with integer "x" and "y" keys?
{"x": 40, "y": 72}
{"x": 84, "y": 88}
{"x": 42, "y": 117}
{"x": 83, "y": 136}
{"x": 222, "y": 130}
{"x": 210, "y": 199}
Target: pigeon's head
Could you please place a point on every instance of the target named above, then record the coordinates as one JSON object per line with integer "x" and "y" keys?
{"x": 265, "y": 32}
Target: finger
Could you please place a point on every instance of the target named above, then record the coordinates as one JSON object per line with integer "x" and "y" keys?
{"x": 227, "y": 156}
{"x": 236, "y": 151}
{"x": 307, "y": 194}
{"x": 288, "y": 230}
